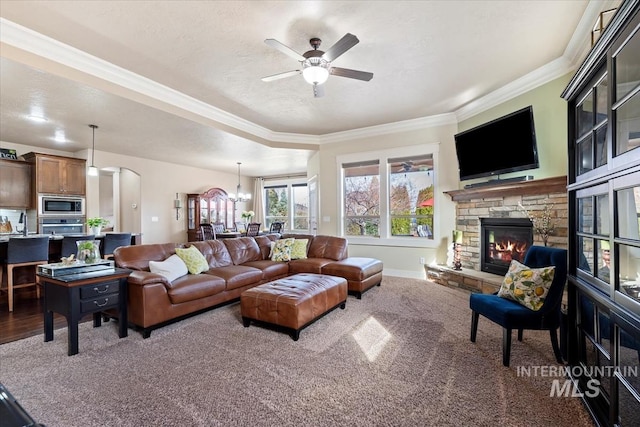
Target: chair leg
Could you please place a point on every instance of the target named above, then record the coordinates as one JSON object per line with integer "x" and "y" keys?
{"x": 520, "y": 334}
{"x": 474, "y": 325}
{"x": 506, "y": 346}
{"x": 553, "y": 333}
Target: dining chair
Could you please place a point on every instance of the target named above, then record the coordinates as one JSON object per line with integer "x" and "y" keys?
{"x": 207, "y": 232}
{"x": 253, "y": 229}
{"x": 218, "y": 227}
{"x": 23, "y": 252}
{"x": 112, "y": 241}
{"x": 69, "y": 245}
{"x": 276, "y": 227}
{"x": 513, "y": 315}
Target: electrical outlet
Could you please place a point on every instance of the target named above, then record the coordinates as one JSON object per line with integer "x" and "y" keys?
{"x": 422, "y": 260}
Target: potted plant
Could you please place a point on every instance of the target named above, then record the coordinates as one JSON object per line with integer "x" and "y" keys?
{"x": 247, "y": 215}
{"x": 96, "y": 224}
{"x": 88, "y": 251}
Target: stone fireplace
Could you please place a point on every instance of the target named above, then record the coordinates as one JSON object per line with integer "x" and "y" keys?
{"x": 501, "y": 202}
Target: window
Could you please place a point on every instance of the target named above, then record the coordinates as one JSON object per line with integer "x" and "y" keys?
{"x": 411, "y": 196}
{"x": 389, "y": 197}
{"x": 361, "y": 198}
{"x": 288, "y": 203}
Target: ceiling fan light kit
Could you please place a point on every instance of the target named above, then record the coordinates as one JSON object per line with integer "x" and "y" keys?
{"x": 316, "y": 64}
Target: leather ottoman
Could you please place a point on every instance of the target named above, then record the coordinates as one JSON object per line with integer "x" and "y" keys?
{"x": 293, "y": 302}
{"x": 361, "y": 273}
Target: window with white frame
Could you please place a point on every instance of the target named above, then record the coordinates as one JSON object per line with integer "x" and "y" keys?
{"x": 386, "y": 195}
{"x": 287, "y": 202}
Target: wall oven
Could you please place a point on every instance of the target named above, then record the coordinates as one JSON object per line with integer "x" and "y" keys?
{"x": 60, "y": 206}
{"x": 61, "y": 225}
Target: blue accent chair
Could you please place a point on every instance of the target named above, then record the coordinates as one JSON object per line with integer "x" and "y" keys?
{"x": 512, "y": 315}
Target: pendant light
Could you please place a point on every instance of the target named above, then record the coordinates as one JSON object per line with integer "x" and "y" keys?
{"x": 239, "y": 196}
{"x": 93, "y": 171}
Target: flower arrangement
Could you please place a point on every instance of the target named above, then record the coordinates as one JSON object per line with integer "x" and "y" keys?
{"x": 97, "y": 222}
{"x": 88, "y": 251}
{"x": 542, "y": 221}
{"x": 247, "y": 215}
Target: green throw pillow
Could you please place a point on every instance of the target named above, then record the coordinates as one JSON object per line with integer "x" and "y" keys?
{"x": 282, "y": 250}
{"x": 527, "y": 286}
{"x": 193, "y": 258}
{"x": 299, "y": 249}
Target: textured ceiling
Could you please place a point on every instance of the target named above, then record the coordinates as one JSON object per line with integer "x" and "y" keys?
{"x": 158, "y": 76}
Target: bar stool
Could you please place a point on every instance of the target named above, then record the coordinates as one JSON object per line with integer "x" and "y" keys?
{"x": 113, "y": 241}
{"x": 24, "y": 252}
{"x": 69, "y": 245}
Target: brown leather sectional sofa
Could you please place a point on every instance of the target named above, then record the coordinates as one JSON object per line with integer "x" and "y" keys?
{"x": 235, "y": 265}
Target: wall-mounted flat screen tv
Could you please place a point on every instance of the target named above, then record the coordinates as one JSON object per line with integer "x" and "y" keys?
{"x": 506, "y": 144}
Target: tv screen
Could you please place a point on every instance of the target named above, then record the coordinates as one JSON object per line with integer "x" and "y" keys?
{"x": 506, "y": 144}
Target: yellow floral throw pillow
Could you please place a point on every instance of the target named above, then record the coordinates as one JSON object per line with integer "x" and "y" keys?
{"x": 527, "y": 286}
{"x": 282, "y": 250}
{"x": 299, "y": 249}
{"x": 193, "y": 258}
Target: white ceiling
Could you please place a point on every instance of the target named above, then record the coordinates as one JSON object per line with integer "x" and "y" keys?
{"x": 162, "y": 78}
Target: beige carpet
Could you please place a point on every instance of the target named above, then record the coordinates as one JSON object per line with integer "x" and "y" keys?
{"x": 401, "y": 356}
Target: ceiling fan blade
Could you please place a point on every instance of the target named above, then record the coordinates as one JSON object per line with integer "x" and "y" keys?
{"x": 284, "y": 49}
{"x": 341, "y": 46}
{"x": 280, "y": 75}
{"x": 352, "y": 74}
{"x": 318, "y": 91}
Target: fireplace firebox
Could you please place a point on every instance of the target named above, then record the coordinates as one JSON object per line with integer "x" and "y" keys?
{"x": 503, "y": 240}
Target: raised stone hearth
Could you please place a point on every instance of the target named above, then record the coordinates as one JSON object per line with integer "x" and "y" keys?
{"x": 501, "y": 200}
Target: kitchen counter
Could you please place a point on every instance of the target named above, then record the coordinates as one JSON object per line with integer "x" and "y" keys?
{"x": 55, "y": 242}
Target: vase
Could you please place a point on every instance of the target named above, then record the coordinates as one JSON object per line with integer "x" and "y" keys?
{"x": 96, "y": 230}
{"x": 88, "y": 251}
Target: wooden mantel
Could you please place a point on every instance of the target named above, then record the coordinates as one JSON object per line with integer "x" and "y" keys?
{"x": 537, "y": 186}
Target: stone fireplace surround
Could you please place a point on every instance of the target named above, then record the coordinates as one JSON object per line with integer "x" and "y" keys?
{"x": 499, "y": 201}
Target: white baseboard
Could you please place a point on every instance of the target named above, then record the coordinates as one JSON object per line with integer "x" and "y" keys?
{"x": 405, "y": 273}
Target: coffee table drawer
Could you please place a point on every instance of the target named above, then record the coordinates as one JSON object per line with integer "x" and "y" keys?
{"x": 100, "y": 289}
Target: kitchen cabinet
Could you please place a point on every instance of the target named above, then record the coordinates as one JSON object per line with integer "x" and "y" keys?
{"x": 15, "y": 184}
{"x": 57, "y": 174}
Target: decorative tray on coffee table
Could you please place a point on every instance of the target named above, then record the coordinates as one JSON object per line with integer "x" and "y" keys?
{"x": 61, "y": 269}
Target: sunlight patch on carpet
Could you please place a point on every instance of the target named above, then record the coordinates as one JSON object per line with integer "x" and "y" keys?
{"x": 371, "y": 336}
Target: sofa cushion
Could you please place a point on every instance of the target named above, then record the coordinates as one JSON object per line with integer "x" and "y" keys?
{"x": 193, "y": 287}
{"x": 331, "y": 247}
{"x": 237, "y": 276}
{"x": 527, "y": 286}
{"x": 215, "y": 252}
{"x": 243, "y": 249}
{"x": 308, "y": 265}
{"x": 299, "y": 249}
{"x": 171, "y": 268}
{"x": 193, "y": 258}
{"x": 270, "y": 269}
{"x": 264, "y": 243}
{"x": 282, "y": 250}
{"x": 354, "y": 268}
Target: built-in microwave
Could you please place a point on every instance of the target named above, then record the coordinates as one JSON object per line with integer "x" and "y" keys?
{"x": 60, "y": 205}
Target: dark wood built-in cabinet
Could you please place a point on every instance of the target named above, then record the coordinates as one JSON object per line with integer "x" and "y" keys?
{"x": 15, "y": 184}
{"x": 604, "y": 210}
{"x": 57, "y": 174}
{"x": 212, "y": 206}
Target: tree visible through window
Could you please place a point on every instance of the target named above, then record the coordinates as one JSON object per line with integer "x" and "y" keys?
{"x": 288, "y": 204}
{"x": 411, "y": 196}
{"x": 362, "y": 199}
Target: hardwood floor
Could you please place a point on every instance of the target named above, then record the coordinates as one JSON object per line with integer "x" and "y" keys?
{"x": 26, "y": 320}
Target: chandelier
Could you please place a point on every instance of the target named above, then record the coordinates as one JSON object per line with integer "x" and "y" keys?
{"x": 239, "y": 196}
{"x": 93, "y": 171}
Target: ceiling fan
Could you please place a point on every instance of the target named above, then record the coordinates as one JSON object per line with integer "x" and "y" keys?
{"x": 316, "y": 64}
